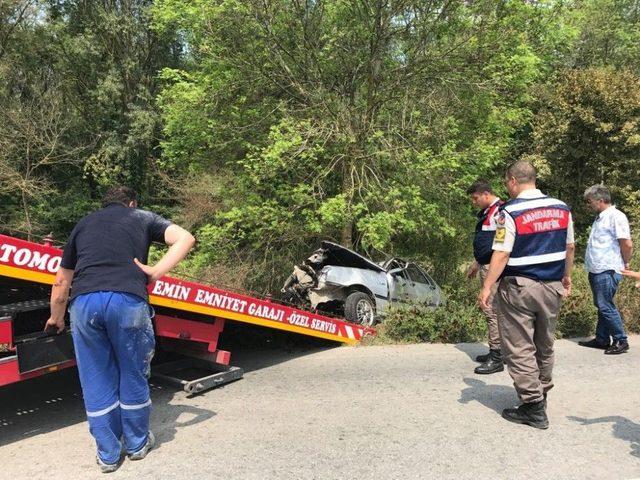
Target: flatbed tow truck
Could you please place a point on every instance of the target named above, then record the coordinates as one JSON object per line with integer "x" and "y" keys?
{"x": 189, "y": 319}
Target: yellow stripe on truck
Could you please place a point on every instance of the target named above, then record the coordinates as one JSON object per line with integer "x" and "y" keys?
{"x": 49, "y": 279}
{"x": 166, "y": 302}
{"x": 29, "y": 275}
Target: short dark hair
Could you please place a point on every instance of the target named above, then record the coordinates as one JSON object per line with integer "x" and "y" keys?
{"x": 119, "y": 194}
{"x": 522, "y": 171}
{"x": 479, "y": 186}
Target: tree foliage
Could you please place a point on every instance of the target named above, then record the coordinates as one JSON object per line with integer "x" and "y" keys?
{"x": 268, "y": 125}
{"x": 588, "y": 130}
{"x": 359, "y": 121}
{"x": 78, "y": 81}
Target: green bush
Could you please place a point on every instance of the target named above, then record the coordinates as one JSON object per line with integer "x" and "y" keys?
{"x": 628, "y": 301}
{"x": 577, "y": 316}
{"x": 460, "y": 319}
{"x": 628, "y": 297}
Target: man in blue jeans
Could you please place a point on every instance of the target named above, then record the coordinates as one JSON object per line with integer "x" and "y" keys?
{"x": 608, "y": 253}
{"x": 104, "y": 269}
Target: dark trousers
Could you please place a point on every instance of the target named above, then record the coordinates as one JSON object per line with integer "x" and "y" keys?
{"x": 604, "y": 286}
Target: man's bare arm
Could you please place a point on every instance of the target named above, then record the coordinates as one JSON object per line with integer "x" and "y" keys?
{"x": 180, "y": 242}
{"x": 632, "y": 274}
{"x": 626, "y": 249}
{"x": 499, "y": 261}
{"x": 473, "y": 269}
{"x": 59, "y": 299}
{"x": 568, "y": 268}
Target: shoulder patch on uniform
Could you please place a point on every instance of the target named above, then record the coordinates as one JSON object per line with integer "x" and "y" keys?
{"x": 501, "y": 218}
{"x": 501, "y": 233}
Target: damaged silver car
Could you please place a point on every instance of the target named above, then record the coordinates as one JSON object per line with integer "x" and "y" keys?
{"x": 337, "y": 280}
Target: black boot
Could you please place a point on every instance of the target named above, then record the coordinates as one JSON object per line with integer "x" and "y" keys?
{"x": 482, "y": 358}
{"x": 532, "y": 414}
{"x": 492, "y": 365}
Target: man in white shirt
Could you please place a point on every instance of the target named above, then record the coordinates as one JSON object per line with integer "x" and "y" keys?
{"x": 608, "y": 253}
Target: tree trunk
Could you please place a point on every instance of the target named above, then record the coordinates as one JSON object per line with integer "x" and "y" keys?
{"x": 27, "y": 217}
{"x": 346, "y": 236}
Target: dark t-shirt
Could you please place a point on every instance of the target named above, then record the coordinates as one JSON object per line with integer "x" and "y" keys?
{"x": 102, "y": 246}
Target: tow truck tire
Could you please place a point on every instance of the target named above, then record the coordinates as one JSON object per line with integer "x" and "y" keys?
{"x": 360, "y": 308}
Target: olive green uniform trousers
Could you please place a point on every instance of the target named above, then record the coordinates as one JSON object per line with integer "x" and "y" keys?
{"x": 528, "y": 312}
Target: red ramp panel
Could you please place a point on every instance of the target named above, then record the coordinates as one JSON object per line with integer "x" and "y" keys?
{"x": 38, "y": 263}
{"x": 199, "y": 298}
{"x": 26, "y": 352}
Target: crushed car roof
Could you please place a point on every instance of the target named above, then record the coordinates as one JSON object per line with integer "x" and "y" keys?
{"x": 343, "y": 257}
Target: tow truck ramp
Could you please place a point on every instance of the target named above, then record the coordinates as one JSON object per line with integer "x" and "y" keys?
{"x": 189, "y": 320}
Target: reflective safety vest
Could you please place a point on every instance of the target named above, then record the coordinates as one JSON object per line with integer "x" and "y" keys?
{"x": 485, "y": 231}
{"x": 540, "y": 246}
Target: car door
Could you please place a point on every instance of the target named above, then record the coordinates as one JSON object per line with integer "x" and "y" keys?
{"x": 400, "y": 289}
{"x": 438, "y": 297}
{"x": 423, "y": 288}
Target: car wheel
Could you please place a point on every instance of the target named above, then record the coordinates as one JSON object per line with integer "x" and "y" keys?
{"x": 359, "y": 308}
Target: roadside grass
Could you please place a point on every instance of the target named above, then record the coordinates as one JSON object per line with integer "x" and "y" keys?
{"x": 460, "y": 319}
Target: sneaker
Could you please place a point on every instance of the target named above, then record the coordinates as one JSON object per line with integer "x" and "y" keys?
{"x": 107, "y": 467}
{"x": 617, "y": 347}
{"x": 140, "y": 454}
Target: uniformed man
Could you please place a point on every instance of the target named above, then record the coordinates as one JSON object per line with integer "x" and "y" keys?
{"x": 482, "y": 197}
{"x": 533, "y": 258}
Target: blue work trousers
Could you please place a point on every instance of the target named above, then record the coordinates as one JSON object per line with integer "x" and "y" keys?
{"x": 604, "y": 286}
{"x": 114, "y": 344}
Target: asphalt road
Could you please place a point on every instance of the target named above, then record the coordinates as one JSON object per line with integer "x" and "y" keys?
{"x": 396, "y": 412}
